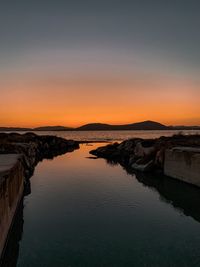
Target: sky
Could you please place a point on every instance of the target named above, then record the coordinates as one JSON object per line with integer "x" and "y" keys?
{"x": 71, "y": 62}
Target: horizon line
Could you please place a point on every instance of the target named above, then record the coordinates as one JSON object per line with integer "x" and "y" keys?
{"x": 122, "y": 124}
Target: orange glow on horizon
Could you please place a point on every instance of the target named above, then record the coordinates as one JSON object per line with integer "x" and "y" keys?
{"x": 72, "y": 103}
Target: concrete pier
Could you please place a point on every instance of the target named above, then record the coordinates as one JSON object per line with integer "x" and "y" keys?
{"x": 11, "y": 191}
{"x": 183, "y": 163}
{"x": 19, "y": 154}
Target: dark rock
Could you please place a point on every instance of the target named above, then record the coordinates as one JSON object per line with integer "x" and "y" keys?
{"x": 34, "y": 148}
{"x": 143, "y": 167}
{"x": 144, "y": 154}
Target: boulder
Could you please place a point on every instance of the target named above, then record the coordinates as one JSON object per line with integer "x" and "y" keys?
{"x": 143, "y": 167}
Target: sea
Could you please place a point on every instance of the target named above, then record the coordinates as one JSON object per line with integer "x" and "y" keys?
{"x": 114, "y": 135}
{"x": 79, "y": 211}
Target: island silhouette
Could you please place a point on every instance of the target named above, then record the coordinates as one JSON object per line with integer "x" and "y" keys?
{"x": 144, "y": 125}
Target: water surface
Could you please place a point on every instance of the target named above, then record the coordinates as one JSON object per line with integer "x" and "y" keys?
{"x": 84, "y": 212}
{"x": 114, "y": 135}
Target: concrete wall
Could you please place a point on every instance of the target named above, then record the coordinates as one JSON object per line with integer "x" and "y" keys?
{"x": 11, "y": 191}
{"x": 183, "y": 163}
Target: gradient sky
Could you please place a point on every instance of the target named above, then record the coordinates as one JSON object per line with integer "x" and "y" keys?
{"x": 114, "y": 61}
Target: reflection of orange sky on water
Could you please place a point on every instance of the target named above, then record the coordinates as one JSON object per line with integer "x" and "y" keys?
{"x": 73, "y": 102}
{"x": 69, "y": 161}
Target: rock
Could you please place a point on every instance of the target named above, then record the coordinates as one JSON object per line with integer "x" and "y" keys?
{"x": 109, "y": 151}
{"x": 132, "y": 159}
{"x": 144, "y": 154}
{"x": 160, "y": 156}
{"x": 34, "y": 148}
{"x": 143, "y": 167}
{"x": 127, "y": 145}
{"x": 141, "y": 151}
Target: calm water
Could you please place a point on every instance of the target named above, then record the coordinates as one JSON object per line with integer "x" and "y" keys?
{"x": 83, "y": 212}
{"x": 114, "y": 135}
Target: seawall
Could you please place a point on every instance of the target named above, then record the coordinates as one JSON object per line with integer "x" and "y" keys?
{"x": 183, "y": 163}
{"x": 19, "y": 154}
{"x": 11, "y": 191}
{"x": 177, "y": 156}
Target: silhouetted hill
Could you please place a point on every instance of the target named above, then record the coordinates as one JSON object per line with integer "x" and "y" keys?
{"x": 94, "y": 127}
{"x": 53, "y": 128}
{"x": 145, "y": 125}
{"x": 14, "y": 129}
{"x": 42, "y": 128}
{"x": 182, "y": 127}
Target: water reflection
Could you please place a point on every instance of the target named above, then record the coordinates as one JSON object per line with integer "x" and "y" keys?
{"x": 99, "y": 216}
{"x": 182, "y": 196}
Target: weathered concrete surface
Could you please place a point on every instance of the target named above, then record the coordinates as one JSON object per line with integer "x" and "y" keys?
{"x": 34, "y": 148}
{"x": 177, "y": 156}
{"x": 183, "y": 163}
{"x": 19, "y": 154}
{"x": 11, "y": 191}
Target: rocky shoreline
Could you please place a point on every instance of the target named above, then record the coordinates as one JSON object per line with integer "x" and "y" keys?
{"x": 146, "y": 155}
{"x": 19, "y": 154}
{"x": 34, "y": 148}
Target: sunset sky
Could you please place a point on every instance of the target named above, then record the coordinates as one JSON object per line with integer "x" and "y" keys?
{"x": 71, "y": 62}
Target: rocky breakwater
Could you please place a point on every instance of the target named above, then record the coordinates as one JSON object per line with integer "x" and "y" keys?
{"x": 34, "y": 148}
{"x": 183, "y": 163}
{"x": 148, "y": 155}
{"x": 19, "y": 154}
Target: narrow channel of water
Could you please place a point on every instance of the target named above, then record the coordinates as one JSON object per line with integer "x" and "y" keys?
{"x": 84, "y": 212}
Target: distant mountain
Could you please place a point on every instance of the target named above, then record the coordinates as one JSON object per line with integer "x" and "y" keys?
{"x": 95, "y": 127}
{"x": 43, "y": 128}
{"x": 14, "y": 129}
{"x": 52, "y": 128}
{"x": 182, "y": 127}
{"x": 145, "y": 125}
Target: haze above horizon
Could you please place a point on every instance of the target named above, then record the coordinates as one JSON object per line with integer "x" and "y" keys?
{"x": 116, "y": 62}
